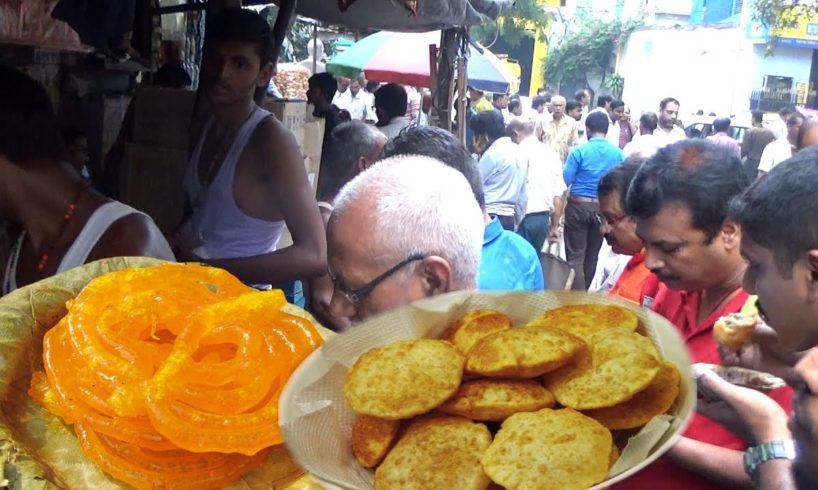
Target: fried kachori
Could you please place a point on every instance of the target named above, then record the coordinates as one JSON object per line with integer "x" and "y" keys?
{"x": 372, "y": 438}
{"x": 474, "y": 326}
{"x": 522, "y": 352}
{"x": 497, "y": 399}
{"x": 618, "y": 365}
{"x": 437, "y": 452}
{"x": 654, "y": 400}
{"x": 404, "y": 379}
{"x": 549, "y": 449}
{"x": 584, "y": 320}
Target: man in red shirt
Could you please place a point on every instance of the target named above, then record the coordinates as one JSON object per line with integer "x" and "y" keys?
{"x": 680, "y": 199}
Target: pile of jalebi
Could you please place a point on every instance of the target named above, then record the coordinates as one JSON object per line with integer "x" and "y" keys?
{"x": 171, "y": 374}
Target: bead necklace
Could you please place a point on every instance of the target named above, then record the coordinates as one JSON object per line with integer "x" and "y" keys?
{"x": 69, "y": 213}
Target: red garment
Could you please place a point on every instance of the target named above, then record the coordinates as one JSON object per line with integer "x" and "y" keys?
{"x": 631, "y": 281}
{"x": 681, "y": 308}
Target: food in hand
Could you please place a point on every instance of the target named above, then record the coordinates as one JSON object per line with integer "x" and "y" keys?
{"x": 735, "y": 330}
{"x": 171, "y": 374}
{"x": 749, "y": 378}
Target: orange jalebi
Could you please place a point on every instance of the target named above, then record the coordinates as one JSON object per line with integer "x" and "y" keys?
{"x": 171, "y": 374}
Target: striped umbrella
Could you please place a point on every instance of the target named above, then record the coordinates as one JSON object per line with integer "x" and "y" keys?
{"x": 403, "y": 57}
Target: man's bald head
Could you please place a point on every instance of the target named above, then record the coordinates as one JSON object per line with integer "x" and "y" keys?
{"x": 519, "y": 128}
{"x": 404, "y": 207}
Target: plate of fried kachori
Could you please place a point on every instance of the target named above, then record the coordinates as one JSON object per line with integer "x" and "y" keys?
{"x": 553, "y": 389}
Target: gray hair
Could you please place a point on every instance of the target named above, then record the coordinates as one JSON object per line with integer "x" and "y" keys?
{"x": 349, "y": 141}
{"x": 419, "y": 205}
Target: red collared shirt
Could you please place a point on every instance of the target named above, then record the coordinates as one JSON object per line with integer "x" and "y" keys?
{"x": 682, "y": 308}
{"x": 631, "y": 281}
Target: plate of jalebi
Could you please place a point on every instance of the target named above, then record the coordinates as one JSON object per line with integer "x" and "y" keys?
{"x": 136, "y": 373}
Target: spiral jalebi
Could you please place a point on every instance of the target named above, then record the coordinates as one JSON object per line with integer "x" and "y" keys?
{"x": 171, "y": 374}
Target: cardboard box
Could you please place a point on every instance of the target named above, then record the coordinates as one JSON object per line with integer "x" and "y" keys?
{"x": 152, "y": 183}
{"x": 163, "y": 116}
{"x": 291, "y": 113}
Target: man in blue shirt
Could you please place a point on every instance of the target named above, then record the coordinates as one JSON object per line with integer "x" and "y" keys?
{"x": 508, "y": 261}
{"x": 585, "y": 166}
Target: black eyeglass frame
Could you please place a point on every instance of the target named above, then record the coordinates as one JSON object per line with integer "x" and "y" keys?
{"x": 356, "y": 295}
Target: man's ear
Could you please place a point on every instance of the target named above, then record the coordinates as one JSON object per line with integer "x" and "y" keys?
{"x": 812, "y": 268}
{"x": 436, "y": 275}
{"x": 731, "y": 234}
{"x": 363, "y": 164}
{"x": 265, "y": 74}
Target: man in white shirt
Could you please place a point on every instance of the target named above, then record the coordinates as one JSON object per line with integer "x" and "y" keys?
{"x": 616, "y": 110}
{"x": 544, "y": 184}
{"x": 391, "y": 101}
{"x": 359, "y": 103}
{"x": 342, "y": 99}
{"x": 781, "y": 149}
{"x": 779, "y": 126}
{"x": 668, "y": 132}
{"x": 646, "y": 144}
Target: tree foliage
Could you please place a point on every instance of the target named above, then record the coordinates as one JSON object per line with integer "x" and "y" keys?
{"x": 527, "y": 18}
{"x": 589, "y": 47}
{"x": 776, "y": 15}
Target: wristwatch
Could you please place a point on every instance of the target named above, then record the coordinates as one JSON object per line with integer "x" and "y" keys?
{"x": 755, "y": 456}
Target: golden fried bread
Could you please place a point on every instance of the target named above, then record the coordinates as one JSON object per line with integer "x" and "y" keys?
{"x": 735, "y": 330}
{"x": 474, "y": 326}
{"x": 614, "y": 456}
{"x": 372, "y": 438}
{"x": 437, "y": 452}
{"x": 654, "y": 400}
{"x": 618, "y": 365}
{"x": 522, "y": 352}
{"x": 404, "y": 379}
{"x": 549, "y": 449}
{"x": 584, "y": 320}
{"x": 497, "y": 399}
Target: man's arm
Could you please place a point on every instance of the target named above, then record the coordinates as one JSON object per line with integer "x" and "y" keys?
{"x": 745, "y": 143}
{"x": 720, "y": 465}
{"x": 292, "y": 194}
{"x": 569, "y": 173}
{"x": 133, "y": 235}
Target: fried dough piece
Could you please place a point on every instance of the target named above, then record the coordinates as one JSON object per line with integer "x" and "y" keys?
{"x": 437, "y": 452}
{"x": 474, "y": 326}
{"x": 618, "y": 365}
{"x": 549, "y": 449}
{"x": 585, "y": 320}
{"x": 735, "y": 330}
{"x": 522, "y": 352}
{"x": 372, "y": 438}
{"x": 497, "y": 399}
{"x": 749, "y": 378}
{"x": 614, "y": 456}
{"x": 404, "y": 379}
{"x": 654, "y": 400}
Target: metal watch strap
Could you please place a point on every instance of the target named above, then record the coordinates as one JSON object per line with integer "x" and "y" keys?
{"x": 755, "y": 456}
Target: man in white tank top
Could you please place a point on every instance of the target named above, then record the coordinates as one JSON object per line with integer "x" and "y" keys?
{"x": 246, "y": 177}
{"x": 62, "y": 221}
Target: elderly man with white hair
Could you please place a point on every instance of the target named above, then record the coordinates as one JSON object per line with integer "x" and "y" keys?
{"x": 404, "y": 229}
{"x": 559, "y": 132}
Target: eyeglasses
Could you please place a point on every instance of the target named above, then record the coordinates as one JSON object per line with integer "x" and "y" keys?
{"x": 356, "y": 295}
{"x": 612, "y": 222}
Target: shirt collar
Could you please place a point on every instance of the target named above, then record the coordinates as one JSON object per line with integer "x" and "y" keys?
{"x": 493, "y": 230}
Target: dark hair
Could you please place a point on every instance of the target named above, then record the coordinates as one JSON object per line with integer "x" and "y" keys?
{"x": 779, "y": 211}
{"x": 537, "y": 102}
{"x": 348, "y": 141}
{"x": 666, "y": 101}
{"x": 806, "y": 127}
{"x": 70, "y": 135}
{"x": 758, "y": 116}
{"x": 787, "y": 110}
{"x": 29, "y": 133}
{"x": 619, "y": 178}
{"x": 392, "y": 99}
{"x": 497, "y": 97}
{"x": 617, "y": 103}
{"x": 237, "y": 24}
{"x": 326, "y": 83}
{"x": 721, "y": 124}
{"x": 489, "y": 124}
{"x": 597, "y": 122}
{"x": 695, "y": 172}
{"x": 571, "y": 105}
{"x": 514, "y": 103}
{"x": 603, "y": 99}
{"x": 579, "y": 94}
{"x": 649, "y": 120}
{"x": 440, "y": 144}
{"x": 173, "y": 76}
{"x": 372, "y": 86}
{"x": 700, "y": 112}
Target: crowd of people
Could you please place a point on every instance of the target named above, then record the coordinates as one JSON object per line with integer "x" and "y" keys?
{"x": 406, "y": 211}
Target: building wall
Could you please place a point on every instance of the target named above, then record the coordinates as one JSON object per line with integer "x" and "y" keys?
{"x": 705, "y": 68}
{"x": 785, "y": 62}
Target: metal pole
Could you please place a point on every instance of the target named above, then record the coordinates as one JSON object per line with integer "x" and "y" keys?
{"x": 461, "y": 98}
{"x": 314, "y": 48}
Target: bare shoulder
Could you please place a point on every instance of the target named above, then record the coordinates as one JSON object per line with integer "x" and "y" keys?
{"x": 276, "y": 152}
{"x": 131, "y": 235}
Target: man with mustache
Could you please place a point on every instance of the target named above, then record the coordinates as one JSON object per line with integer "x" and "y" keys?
{"x": 680, "y": 199}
